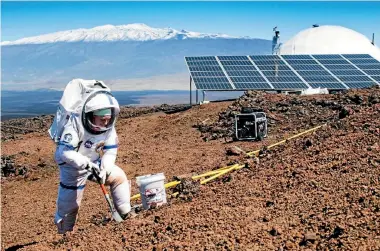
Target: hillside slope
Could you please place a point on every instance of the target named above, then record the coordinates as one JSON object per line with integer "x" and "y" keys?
{"x": 319, "y": 191}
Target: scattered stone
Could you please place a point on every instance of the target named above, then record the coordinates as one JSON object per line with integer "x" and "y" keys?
{"x": 275, "y": 231}
{"x": 187, "y": 189}
{"x": 288, "y": 108}
{"x": 338, "y": 231}
{"x": 9, "y": 168}
{"x": 269, "y": 204}
{"x": 344, "y": 112}
{"x": 308, "y": 143}
{"x": 234, "y": 150}
{"x": 310, "y": 236}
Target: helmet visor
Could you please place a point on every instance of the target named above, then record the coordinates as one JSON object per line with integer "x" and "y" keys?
{"x": 101, "y": 120}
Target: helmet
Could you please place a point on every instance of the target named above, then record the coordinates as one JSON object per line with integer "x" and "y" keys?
{"x": 100, "y": 112}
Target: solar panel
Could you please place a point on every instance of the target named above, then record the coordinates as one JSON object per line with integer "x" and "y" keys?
{"x": 203, "y": 63}
{"x": 210, "y": 80}
{"x": 252, "y": 85}
{"x": 269, "y": 62}
{"x": 377, "y": 78}
{"x": 264, "y": 57}
{"x": 240, "y": 68}
{"x": 237, "y": 63}
{"x": 352, "y": 56}
{"x": 301, "y": 61}
{"x": 287, "y": 57}
{"x": 360, "y": 84}
{"x": 289, "y": 85}
{"x": 335, "y": 85}
{"x": 274, "y": 67}
{"x": 284, "y": 72}
{"x": 189, "y": 59}
{"x": 369, "y": 66}
{"x": 362, "y": 78}
{"x": 284, "y": 79}
{"x": 247, "y": 79}
{"x": 279, "y": 73}
{"x": 221, "y": 58}
{"x": 212, "y": 83}
{"x": 327, "y": 56}
{"x": 301, "y": 67}
{"x": 205, "y": 68}
{"x": 333, "y": 61}
{"x": 340, "y": 67}
{"x": 346, "y": 72}
{"x": 320, "y": 78}
{"x": 314, "y": 73}
{"x": 372, "y": 72}
{"x": 244, "y": 73}
{"x": 208, "y": 74}
{"x": 364, "y": 61}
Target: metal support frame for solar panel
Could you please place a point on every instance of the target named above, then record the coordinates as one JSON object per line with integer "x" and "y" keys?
{"x": 283, "y": 72}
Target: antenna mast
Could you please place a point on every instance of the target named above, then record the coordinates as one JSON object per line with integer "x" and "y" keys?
{"x": 373, "y": 38}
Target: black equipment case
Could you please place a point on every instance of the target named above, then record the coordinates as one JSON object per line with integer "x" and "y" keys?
{"x": 251, "y": 124}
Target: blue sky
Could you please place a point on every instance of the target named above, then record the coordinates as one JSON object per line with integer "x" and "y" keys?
{"x": 254, "y": 19}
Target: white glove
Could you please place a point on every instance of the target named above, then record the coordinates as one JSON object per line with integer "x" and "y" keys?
{"x": 103, "y": 176}
{"x": 101, "y": 172}
{"x": 92, "y": 167}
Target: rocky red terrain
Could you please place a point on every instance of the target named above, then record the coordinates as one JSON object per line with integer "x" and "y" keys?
{"x": 320, "y": 191}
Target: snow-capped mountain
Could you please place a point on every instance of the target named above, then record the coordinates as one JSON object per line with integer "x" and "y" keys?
{"x": 111, "y": 33}
{"x": 133, "y": 51}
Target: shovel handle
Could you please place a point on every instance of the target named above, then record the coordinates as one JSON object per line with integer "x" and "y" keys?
{"x": 99, "y": 181}
{"x": 116, "y": 216}
{"x": 96, "y": 176}
{"x": 103, "y": 189}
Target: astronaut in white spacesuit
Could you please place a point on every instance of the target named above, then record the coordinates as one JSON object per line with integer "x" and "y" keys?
{"x": 89, "y": 142}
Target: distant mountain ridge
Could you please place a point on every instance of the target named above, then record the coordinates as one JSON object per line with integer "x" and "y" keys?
{"x": 111, "y": 33}
{"x": 151, "y": 52}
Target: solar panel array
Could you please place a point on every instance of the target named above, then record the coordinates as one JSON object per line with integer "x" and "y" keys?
{"x": 284, "y": 72}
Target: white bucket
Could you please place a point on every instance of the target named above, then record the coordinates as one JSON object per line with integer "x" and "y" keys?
{"x": 152, "y": 189}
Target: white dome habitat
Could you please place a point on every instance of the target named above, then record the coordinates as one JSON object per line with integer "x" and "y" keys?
{"x": 330, "y": 40}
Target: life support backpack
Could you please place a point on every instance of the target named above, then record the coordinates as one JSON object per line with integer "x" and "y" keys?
{"x": 75, "y": 95}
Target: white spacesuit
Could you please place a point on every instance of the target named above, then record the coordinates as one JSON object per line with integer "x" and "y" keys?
{"x": 85, "y": 143}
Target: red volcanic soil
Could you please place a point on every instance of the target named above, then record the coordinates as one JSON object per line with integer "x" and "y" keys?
{"x": 320, "y": 191}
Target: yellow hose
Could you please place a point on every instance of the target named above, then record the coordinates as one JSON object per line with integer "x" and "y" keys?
{"x": 135, "y": 197}
{"x": 284, "y": 141}
{"x": 222, "y": 168}
{"x": 221, "y": 171}
{"x": 212, "y": 172}
{"x": 174, "y": 194}
{"x": 256, "y": 153}
{"x": 206, "y": 174}
{"x": 234, "y": 167}
{"x": 172, "y": 184}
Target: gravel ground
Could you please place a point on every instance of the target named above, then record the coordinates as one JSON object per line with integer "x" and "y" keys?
{"x": 320, "y": 191}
